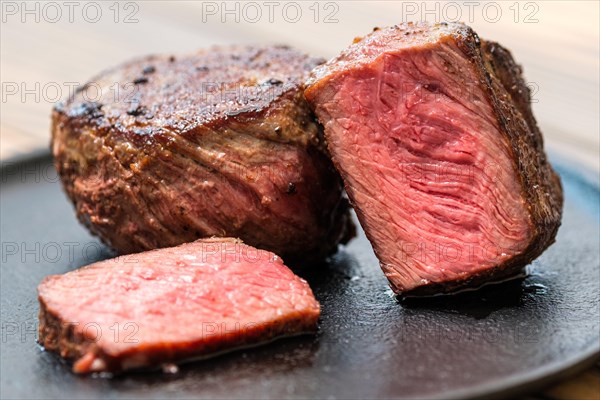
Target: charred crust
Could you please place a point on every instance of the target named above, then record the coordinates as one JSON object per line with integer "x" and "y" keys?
{"x": 90, "y": 110}
{"x": 234, "y": 97}
{"x": 137, "y": 110}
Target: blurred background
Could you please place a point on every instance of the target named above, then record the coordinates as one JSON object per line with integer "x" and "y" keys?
{"x": 47, "y": 49}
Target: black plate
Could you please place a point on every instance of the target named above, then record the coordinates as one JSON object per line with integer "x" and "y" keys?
{"x": 502, "y": 340}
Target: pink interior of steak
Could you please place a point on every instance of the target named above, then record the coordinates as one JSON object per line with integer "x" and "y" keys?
{"x": 171, "y": 304}
{"x": 419, "y": 147}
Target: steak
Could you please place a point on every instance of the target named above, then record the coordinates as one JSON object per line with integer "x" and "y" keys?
{"x": 432, "y": 131}
{"x": 163, "y": 150}
{"x": 169, "y": 305}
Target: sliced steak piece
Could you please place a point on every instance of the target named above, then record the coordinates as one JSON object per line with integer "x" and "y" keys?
{"x": 162, "y": 151}
{"x": 169, "y": 305}
{"x": 433, "y": 133}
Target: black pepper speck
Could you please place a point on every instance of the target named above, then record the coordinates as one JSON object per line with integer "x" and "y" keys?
{"x": 291, "y": 189}
{"x": 140, "y": 80}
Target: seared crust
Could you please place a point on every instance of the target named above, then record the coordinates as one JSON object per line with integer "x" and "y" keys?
{"x": 217, "y": 143}
{"x": 143, "y": 98}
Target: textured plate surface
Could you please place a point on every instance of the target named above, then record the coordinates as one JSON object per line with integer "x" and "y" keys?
{"x": 503, "y": 339}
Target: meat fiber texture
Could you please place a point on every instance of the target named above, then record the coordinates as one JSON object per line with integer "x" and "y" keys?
{"x": 432, "y": 131}
{"x": 164, "y": 150}
{"x": 164, "y": 306}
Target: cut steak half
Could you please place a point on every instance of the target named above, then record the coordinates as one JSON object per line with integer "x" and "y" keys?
{"x": 433, "y": 134}
{"x": 166, "y": 150}
{"x": 172, "y": 304}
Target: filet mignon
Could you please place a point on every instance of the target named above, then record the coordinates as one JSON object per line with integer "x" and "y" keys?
{"x": 173, "y": 304}
{"x": 433, "y": 133}
{"x": 163, "y": 150}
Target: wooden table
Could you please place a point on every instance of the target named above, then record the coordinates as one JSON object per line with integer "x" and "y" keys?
{"x": 47, "y": 49}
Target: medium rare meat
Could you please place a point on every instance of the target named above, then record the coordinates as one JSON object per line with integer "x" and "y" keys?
{"x": 432, "y": 130}
{"x": 168, "y": 305}
{"x": 165, "y": 150}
